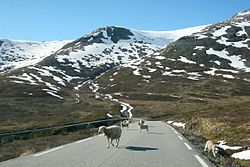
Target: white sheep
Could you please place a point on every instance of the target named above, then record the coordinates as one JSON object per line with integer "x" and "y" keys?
{"x": 125, "y": 124}
{"x": 111, "y": 132}
{"x": 142, "y": 126}
{"x": 210, "y": 146}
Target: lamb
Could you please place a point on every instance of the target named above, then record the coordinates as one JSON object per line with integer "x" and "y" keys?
{"x": 210, "y": 146}
{"x": 125, "y": 124}
{"x": 111, "y": 132}
{"x": 142, "y": 126}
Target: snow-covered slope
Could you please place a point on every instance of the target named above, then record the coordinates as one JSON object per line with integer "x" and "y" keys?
{"x": 220, "y": 50}
{"x": 117, "y": 45}
{"x": 15, "y": 53}
{"x": 93, "y": 54}
{"x": 162, "y": 38}
{"x": 213, "y": 60}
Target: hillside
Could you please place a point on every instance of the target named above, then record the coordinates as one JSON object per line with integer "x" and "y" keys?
{"x": 202, "y": 79}
{"x": 199, "y": 76}
{"x": 16, "y": 54}
{"x": 54, "y": 91}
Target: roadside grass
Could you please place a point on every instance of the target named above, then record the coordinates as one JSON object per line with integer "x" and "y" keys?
{"x": 222, "y": 118}
{"x": 213, "y": 108}
{"x": 29, "y": 112}
{"x": 17, "y": 148}
{"x": 26, "y": 106}
{"x": 221, "y": 160}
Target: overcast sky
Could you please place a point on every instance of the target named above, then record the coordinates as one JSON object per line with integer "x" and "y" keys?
{"x": 43, "y": 20}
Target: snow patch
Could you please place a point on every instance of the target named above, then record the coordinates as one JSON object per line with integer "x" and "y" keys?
{"x": 146, "y": 76}
{"x": 178, "y": 124}
{"x": 217, "y": 62}
{"x": 151, "y": 70}
{"x": 221, "y": 31}
{"x": 228, "y": 76}
{"x": 185, "y": 60}
{"x": 239, "y": 44}
{"x": 244, "y": 155}
{"x": 160, "y": 57}
{"x": 199, "y": 47}
{"x": 222, "y": 144}
{"x": 236, "y": 61}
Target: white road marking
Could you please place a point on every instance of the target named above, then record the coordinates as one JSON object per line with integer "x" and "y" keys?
{"x": 180, "y": 137}
{"x": 190, "y": 148}
{"x": 175, "y": 132}
{"x": 45, "y": 152}
{"x": 80, "y": 141}
{"x": 170, "y": 127}
{"x": 201, "y": 161}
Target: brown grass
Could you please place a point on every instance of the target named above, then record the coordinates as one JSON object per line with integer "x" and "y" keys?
{"x": 18, "y": 148}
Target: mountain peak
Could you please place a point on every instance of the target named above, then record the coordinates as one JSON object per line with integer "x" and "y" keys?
{"x": 113, "y": 33}
{"x": 242, "y": 16}
{"x": 244, "y": 13}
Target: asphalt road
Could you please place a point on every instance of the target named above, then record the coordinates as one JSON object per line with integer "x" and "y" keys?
{"x": 162, "y": 146}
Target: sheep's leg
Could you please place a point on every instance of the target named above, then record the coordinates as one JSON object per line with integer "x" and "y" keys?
{"x": 205, "y": 149}
{"x": 117, "y": 142}
{"x": 213, "y": 152}
{"x": 112, "y": 142}
{"x": 108, "y": 143}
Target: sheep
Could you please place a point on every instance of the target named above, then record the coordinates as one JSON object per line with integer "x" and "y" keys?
{"x": 142, "y": 126}
{"x": 125, "y": 124}
{"x": 210, "y": 146}
{"x": 111, "y": 132}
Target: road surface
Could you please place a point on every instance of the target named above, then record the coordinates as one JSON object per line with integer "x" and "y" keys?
{"x": 162, "y": 146}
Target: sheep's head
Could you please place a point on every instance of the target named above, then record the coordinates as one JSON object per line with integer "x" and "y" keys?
{"x": 125, "y": 122}
{"x": 141, "y": 121}
{"x": 101, "y": 129}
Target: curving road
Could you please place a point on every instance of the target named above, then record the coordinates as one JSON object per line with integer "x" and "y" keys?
{"x": 162, "y": 146}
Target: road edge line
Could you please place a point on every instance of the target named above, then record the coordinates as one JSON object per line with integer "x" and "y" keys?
{"x": 201, "y": 161}
{"x": 45, "y": 152}
{"x": 180, "y": 137}
{"x": 190, "y": 148}
{"x": 80, "y": 141}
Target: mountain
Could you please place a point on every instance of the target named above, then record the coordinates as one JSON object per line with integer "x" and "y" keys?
{"x": 199, "y": 75}
{"x": 202, "y": 79}
{"x": 220, "y": 50}
{"x": 108, "y": 47}
{"x": 54, "y": 90}
{"x": 95, "y": 53}
{"x": 16, "y": 54}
